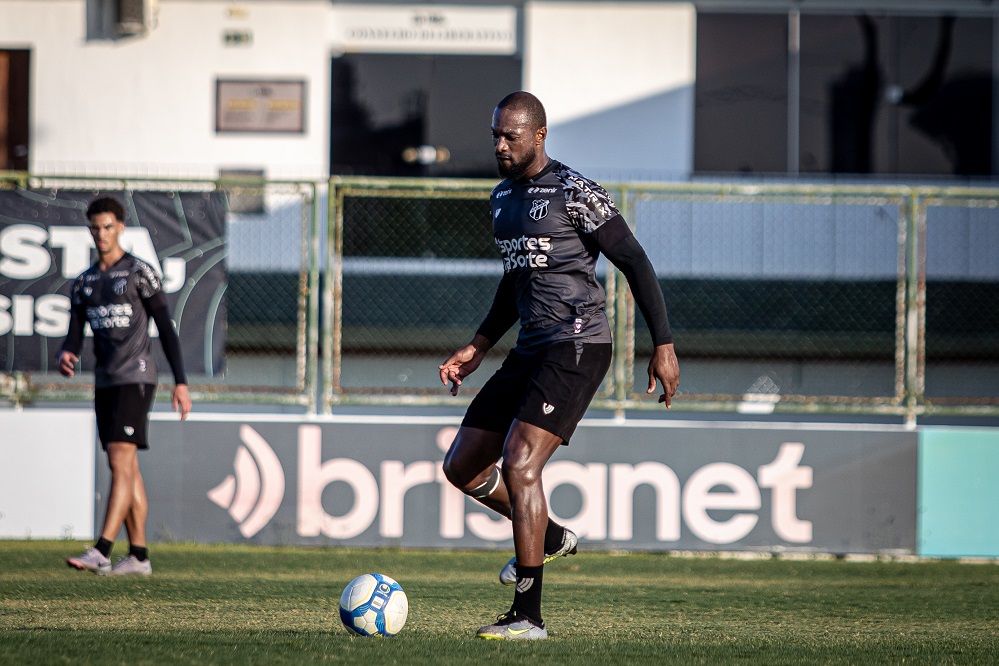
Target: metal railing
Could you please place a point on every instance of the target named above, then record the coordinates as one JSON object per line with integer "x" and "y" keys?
{"x": 799, "y": 298}
{"x": 782, "y": 297}
{"x": 270, "y": 295}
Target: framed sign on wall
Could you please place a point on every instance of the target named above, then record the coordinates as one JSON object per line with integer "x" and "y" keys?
{"x": 260, "y": 106}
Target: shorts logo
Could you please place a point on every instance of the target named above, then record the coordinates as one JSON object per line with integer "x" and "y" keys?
{"x": 577, "y": 325}
{"x": 539, "y": 209}
{"x": 142, "y": 365}
{"x": 548, "y": 409}
{"x": 129, "y": 430}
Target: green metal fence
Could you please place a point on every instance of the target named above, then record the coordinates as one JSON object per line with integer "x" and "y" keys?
{"x": 796, "y": 298}
{"x": 271, "y": 291}
{"x": 782, "y": 297}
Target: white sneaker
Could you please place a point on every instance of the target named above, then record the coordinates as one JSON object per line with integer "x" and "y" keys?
{"x": 91, "y": 560}
{"x": 508, "y": 574}
{"x": 130, "y": 565}
{"x": 512, "y": 627}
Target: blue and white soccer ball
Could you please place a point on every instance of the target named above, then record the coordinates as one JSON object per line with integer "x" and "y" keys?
{"x": 374, "y": 605}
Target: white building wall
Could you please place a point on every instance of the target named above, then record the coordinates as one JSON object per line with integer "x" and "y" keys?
{"x": 617, "y": 81}
{"x": 146, "y": 105}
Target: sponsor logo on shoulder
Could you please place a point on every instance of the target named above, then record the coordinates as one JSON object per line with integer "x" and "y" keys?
{"x": 503, "y": 193}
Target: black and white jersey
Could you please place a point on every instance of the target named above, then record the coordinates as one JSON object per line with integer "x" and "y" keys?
{"x": 112, "y": 302}
{"x": 542, "y": 226}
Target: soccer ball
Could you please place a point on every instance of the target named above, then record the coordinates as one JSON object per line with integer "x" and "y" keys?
{"x": 374, "y": 605}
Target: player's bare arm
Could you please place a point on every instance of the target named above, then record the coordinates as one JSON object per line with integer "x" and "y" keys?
{"x": 464, "y": 362}
{"x": 664, "y": 367}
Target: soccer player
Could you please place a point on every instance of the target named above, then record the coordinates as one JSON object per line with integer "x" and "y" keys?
{"x": 550, "y": 224}
{"x": 117, "y": 296}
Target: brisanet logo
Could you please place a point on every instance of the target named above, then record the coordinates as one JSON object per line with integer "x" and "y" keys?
{"x": 254, "y": 494}
{"x": 719, "y": 502}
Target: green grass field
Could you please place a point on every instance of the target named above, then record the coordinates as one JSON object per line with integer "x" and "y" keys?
{"x": 259, "y": 605}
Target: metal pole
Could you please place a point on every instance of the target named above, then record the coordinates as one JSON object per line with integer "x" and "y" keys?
{"x": 793, "y": 90}
{"x": 312, "y": 364}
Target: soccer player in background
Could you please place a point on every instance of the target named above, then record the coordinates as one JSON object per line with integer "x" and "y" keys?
{"x": 117, "y": 296}
{"x": 550, "y": 224}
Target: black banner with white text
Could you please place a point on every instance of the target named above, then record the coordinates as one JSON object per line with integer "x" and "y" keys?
{"x": 45, "y": 244}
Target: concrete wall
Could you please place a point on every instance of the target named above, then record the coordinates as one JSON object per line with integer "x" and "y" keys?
{"x": 145, "y": 105}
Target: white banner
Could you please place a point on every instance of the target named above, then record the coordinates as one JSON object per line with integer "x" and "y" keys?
{"x": 424, "y": 29}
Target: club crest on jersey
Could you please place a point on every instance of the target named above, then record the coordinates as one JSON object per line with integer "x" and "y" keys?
{"x": 539, "y": 209}
{"x": 119, "y": 286}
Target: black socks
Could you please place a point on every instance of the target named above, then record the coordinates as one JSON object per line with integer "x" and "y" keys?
{"x": 103, "y": 546}
{"x": 554, "y": 535}
{"x": 527, "y": 598}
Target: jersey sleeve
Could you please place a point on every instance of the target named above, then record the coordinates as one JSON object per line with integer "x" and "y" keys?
{"x": 77, "y": 317}
{"x": 157, "y": 308}
{"x": 148, "y": 281}
{"x": 588, "y": 204}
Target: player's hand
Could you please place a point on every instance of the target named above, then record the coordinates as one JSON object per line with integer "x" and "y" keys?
{"x": 462, "y": 363}
{"x": 182, "y": 400}
{"x": 664, "y": 367}
{"x": 67, "y": 363}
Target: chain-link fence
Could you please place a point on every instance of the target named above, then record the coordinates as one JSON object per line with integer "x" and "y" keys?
{"x": 782, "y": 297}
{"x": 957, "y": 292}
{"x": 241, "y": 255}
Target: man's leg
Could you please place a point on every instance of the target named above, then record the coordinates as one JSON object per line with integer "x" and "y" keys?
{"x": 128, "y": 504}
{"x": 135, "y": 519}
{"x": 526, "y": 451}
{"x": 124, "y": 464}
{"x": 470, "y": 466}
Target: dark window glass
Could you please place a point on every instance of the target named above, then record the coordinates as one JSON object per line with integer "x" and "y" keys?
{"x": 896, "y": 95}
{"x": 741, "y": 93}
{"x": 15, "y": 72}
{"x": 416, "y": 115}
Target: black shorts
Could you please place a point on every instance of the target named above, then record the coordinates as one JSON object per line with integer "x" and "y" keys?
{"x": 123, "y": 413}
{"x": 550, "y": 389}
